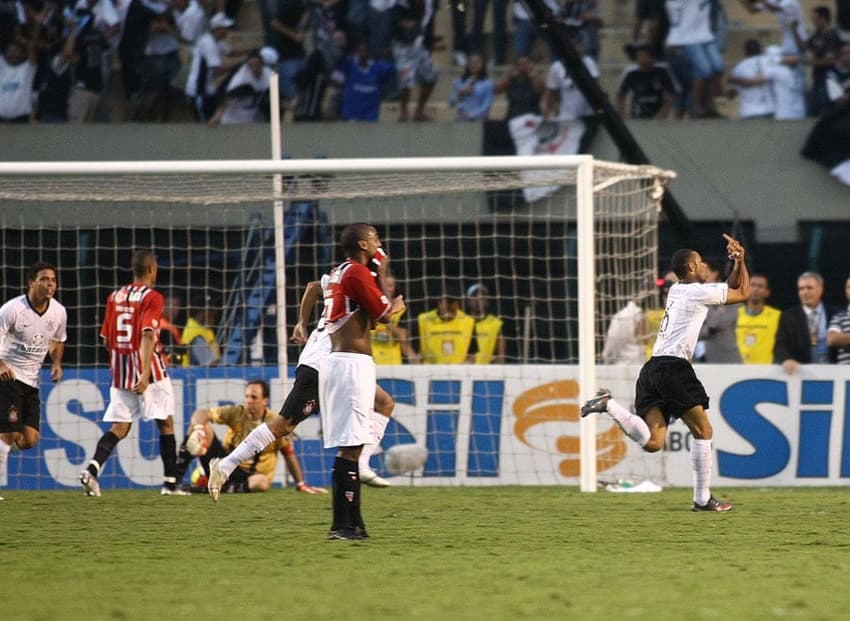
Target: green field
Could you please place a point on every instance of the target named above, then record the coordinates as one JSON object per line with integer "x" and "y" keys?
{"x": 435, "y": 553}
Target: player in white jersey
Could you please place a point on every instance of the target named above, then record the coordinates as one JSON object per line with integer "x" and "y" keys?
{"x": 32, "y": 326}
{"x": 667, "y": 387}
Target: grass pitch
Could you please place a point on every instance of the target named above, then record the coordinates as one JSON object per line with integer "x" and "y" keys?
{"x": 435, "y": 553}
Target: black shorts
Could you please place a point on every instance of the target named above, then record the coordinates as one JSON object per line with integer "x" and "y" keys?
{"x": 671, "y": 384}
{"x": 303, "y": 399}
{"x": 19, "y": 406}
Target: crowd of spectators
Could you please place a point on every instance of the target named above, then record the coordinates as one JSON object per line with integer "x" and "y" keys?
{"x": 753, "y": 332}
{"x": 342, "y": 58}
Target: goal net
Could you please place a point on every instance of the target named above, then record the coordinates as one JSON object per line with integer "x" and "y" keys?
{"x": 558, "y": 248}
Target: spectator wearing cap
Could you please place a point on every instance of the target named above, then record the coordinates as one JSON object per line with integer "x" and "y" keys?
{"x": 199, "y": 332}
{"x": 488, "y": 346}
{"x": 207, "y": 65}
{"x": 445, "y": 333}
{"x": 269, "y": 56}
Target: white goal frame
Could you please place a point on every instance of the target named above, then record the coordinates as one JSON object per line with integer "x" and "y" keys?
{"x": 582, "y": 164}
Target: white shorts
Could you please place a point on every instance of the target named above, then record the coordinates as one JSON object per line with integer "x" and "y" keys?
{"x": 125, "y": 406}
{"x": 346, "y": 397}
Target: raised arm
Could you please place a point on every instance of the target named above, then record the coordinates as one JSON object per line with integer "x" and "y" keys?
{"x": 739, "y": 278}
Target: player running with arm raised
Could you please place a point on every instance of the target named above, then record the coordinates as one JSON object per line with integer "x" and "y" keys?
{"x": 667, "y": 387}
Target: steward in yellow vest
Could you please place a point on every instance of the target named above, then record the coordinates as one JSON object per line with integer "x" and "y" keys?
{"x": 489, "y": 344}
{"x": 445, "y": 333}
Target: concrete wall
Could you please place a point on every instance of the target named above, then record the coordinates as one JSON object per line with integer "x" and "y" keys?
{"x": 751, "y": 167}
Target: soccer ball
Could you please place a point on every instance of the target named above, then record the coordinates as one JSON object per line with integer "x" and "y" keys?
{"x": 403, "y": 458}
{"x": 199, "y": 477}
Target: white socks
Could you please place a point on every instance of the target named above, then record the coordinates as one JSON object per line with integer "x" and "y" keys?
{"x": 379, "y": 424}
{"x": 701, "y": 464}
{"x": 5, "y": 449}
{"x": 631, "y": 424}
{"x": 256, "y": 441}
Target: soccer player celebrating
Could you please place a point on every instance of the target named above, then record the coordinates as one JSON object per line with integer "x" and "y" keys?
{"x": 32, "y": 326}
{"x": 667, "y": 387}
{"x": 141, "y": 387}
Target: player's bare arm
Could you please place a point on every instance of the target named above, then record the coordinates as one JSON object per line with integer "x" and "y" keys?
{"x": 200, "y": 417}
{"x": 57, "y": 351}
{"x": 838, "y": 339}
{"x": 311, "y": 295}
{"x": 6, "y": 372}
{"x": 739, "y": 277}
{"x": 403, "y": 337}
{"x": 145, "y": 354}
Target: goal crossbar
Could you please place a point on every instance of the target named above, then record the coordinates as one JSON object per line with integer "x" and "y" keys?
{"x": 239, "y": 182}
{"x": 222, "y": 182}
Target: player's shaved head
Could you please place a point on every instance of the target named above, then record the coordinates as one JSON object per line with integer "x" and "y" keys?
{"x": 352, "y": 235}
{"x": 142, "y": 263}
{"x": 679, "y": 261}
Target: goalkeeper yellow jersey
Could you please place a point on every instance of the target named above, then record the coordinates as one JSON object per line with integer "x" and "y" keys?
{"x": 756, "y": 334}
{"x": 239, "y": 426}
{"x": 487, "y": 331}
{"x": 444, "y": 342}
{"x": 385, "y": 348}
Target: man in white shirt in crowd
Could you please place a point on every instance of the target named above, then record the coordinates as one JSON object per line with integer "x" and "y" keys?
{"x": 206, "y": 65}
{"x": 563, "y": 101}
{"x": 190, "y": 19}
{"x": 749, "y": 82}
{"x": 17, "y": 72}
{"x": 693, "y": 52}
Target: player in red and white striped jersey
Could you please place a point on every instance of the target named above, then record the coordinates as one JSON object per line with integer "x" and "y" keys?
{"x": 130, "y": 311}
{"x": 141, "y": 388}
{"x": 347, "y": 377}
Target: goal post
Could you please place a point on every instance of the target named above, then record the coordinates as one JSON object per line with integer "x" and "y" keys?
{"x": 559, "y": 243}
